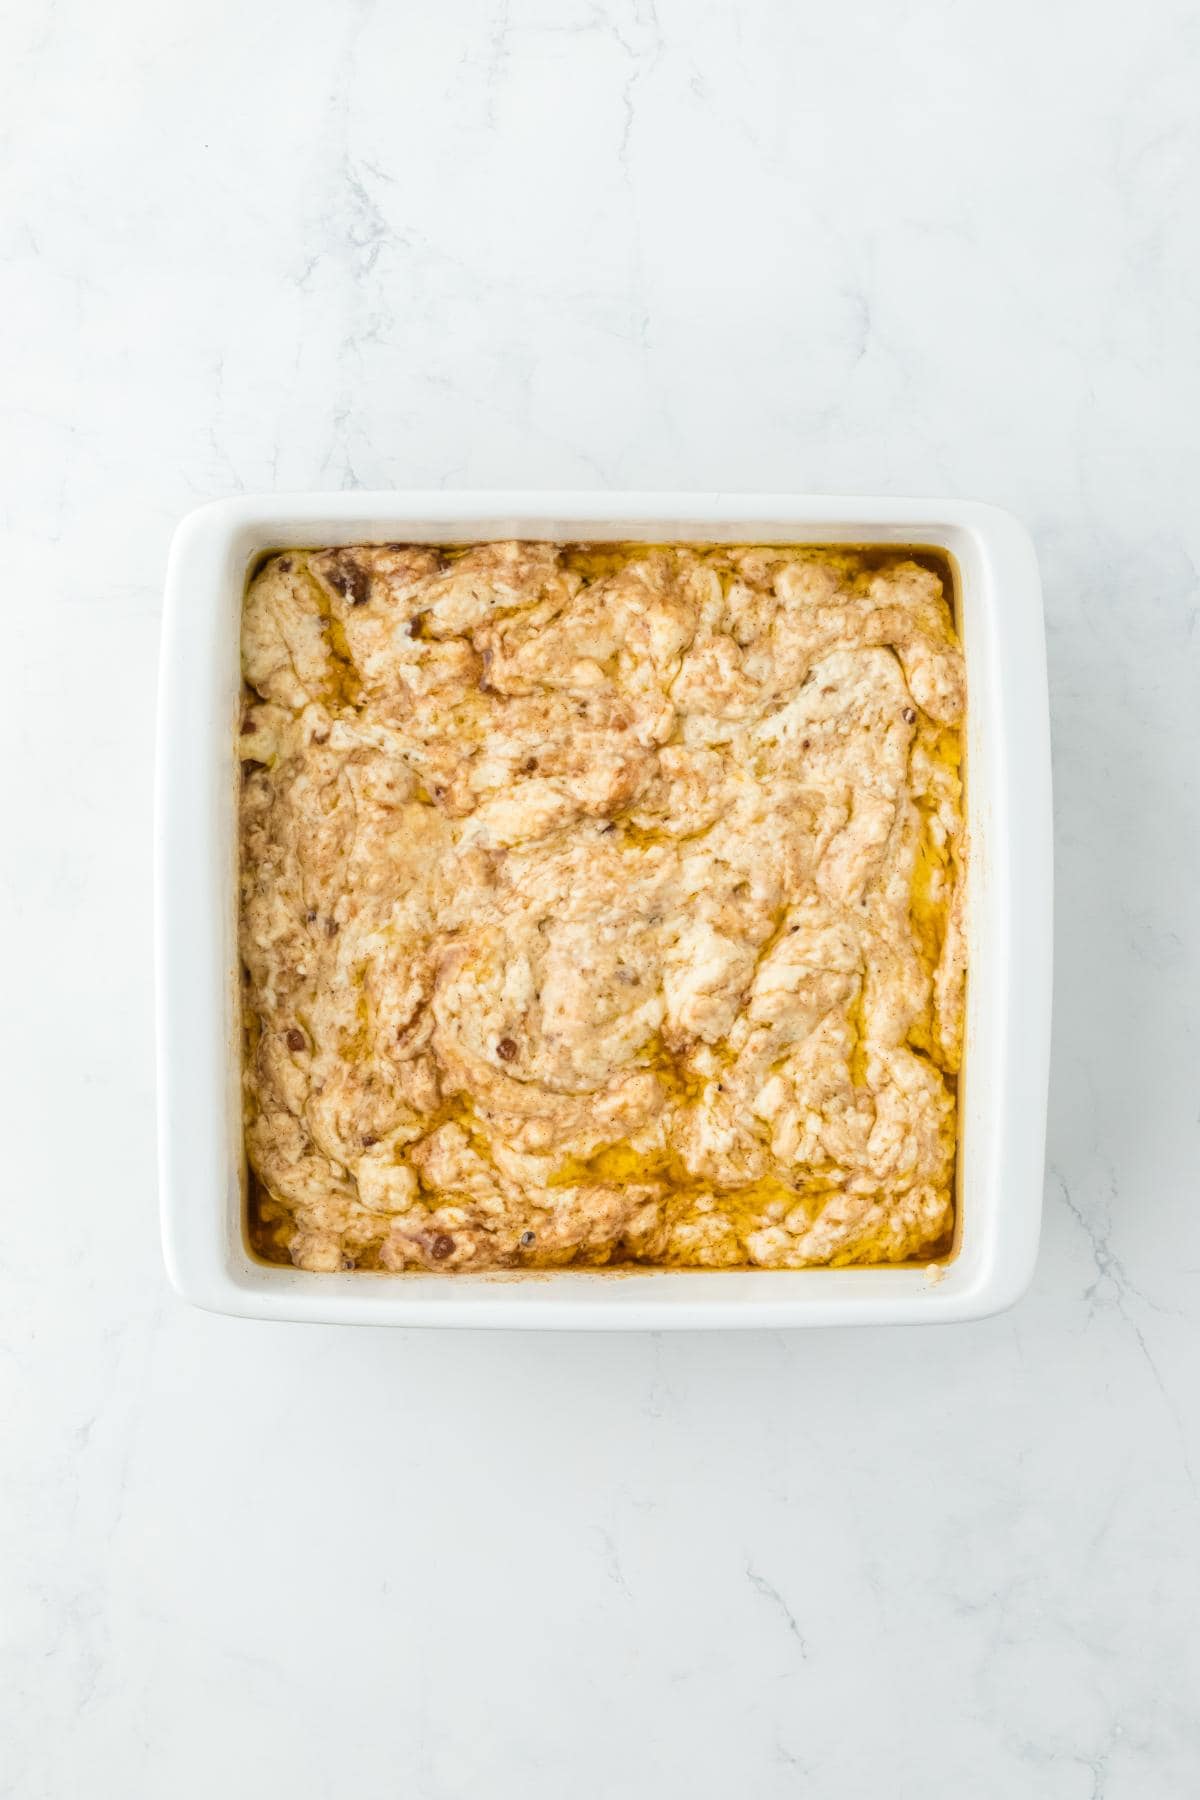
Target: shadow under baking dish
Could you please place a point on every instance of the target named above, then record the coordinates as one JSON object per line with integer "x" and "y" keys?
{"x": 596, "y": 559}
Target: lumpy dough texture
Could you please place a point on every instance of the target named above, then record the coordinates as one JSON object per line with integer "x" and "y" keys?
{"x": 600, "y": 905}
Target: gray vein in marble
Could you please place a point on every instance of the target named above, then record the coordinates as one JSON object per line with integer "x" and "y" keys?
{"x": 612, "y": 1561}
{"x": 1110, "y": 1270}
{"x": 762, "y": 1586}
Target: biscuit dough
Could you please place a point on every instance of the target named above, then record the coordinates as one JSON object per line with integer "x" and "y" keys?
{"x": 600, "y": 904}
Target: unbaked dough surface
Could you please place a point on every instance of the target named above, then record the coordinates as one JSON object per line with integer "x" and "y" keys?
{"x": 600, "y": 904}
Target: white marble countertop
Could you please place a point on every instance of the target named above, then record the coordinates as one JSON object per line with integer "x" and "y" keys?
{"x": 928, "y": 248}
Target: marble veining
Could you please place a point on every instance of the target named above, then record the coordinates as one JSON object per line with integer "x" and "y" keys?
{"x": 902, "y": 249}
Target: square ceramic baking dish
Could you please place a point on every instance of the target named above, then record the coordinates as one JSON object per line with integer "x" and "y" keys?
{"x": 1003, "y": 1090}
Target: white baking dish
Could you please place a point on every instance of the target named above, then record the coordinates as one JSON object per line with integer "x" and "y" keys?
{"x": 1003, "y": 1093}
